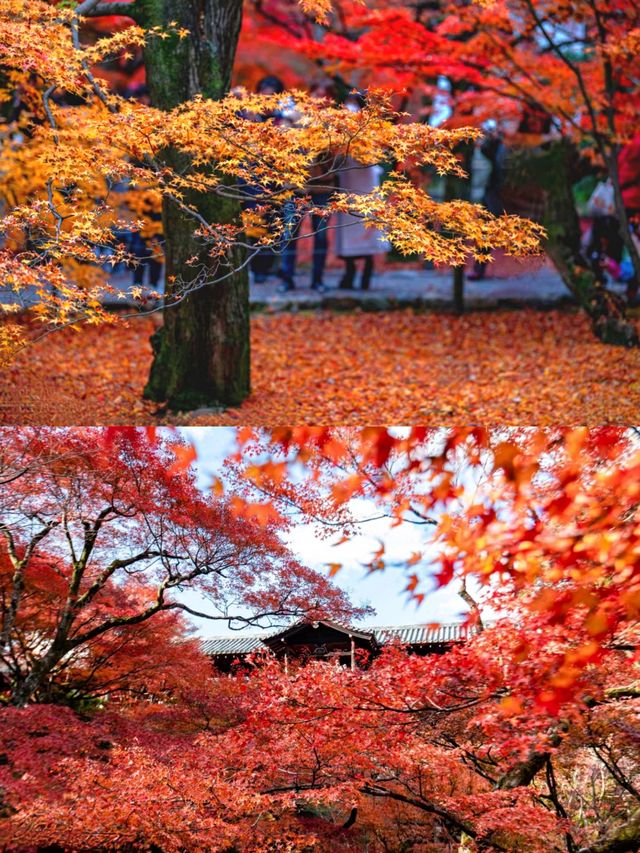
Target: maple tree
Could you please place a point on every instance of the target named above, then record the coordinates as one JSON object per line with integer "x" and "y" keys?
{"x": 74, "y": 174}
{"x": 444, "y": 736}
{"x": 571, "y": 66}
{"x": 102, "y": 532}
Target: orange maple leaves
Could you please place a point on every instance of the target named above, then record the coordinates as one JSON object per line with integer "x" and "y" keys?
{"x": 549, "y": 516}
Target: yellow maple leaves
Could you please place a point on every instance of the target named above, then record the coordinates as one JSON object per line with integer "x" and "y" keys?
{"x": 317, "y": 9}
{"x": 11, "y": 339}
{"x": 445, "y": 232}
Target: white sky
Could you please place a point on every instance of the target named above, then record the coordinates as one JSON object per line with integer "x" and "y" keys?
{"x": 382, "y": 590}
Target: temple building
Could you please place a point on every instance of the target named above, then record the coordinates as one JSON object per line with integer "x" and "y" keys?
{"x": 323, "y": 639}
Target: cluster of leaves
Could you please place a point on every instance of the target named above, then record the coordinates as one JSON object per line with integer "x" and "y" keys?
{"x": 573, "y": 62}
{"x": 397, "y": 367}
{"x": 547, "y": 515}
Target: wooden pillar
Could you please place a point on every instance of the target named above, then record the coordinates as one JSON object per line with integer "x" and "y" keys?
{"x": 353, "y": 654}
{"x": 286, "y": 664}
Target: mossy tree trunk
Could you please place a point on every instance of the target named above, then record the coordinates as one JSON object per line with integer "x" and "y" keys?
{"x": 545, "y": 175}
{"x": 201, "y": 353}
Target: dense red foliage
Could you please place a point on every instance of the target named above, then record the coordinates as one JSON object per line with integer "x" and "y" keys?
{"x": 427, "y": 752}
{"x": 548, "y": 515}
{"x": 509, "y": 59}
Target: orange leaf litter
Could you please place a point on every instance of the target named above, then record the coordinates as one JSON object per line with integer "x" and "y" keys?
{"x": 517, "y": 367}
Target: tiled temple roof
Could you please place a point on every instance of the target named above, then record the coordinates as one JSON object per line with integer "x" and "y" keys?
{"x": 241, "y": 645}
{"x": 426, "y": 634}
{"x": 451, "y": 632}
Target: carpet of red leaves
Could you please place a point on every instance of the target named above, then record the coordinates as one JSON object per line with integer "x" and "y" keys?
{"x": 518, "y": 367}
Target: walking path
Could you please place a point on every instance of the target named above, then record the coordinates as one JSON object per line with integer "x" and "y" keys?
{"x": 533, "y": 284}
{"x": 537, "y": 285}
{"x": 418, "y": 288}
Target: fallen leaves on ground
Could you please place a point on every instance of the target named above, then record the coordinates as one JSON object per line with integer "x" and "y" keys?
{"x": 519, "y": 367}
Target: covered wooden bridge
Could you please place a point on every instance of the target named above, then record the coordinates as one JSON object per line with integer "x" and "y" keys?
{"x": 323, "y": 639}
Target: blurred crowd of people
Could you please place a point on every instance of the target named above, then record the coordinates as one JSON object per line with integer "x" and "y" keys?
{"x": 604, "y": 244}
{"x": 356, "y": 244}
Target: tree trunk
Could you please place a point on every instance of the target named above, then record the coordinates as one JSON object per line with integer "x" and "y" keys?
{"x": 547, "y": 173}
{"x": 24, "y": 690}
{"x": 201, "y": 354}
{"x": 459, "y": 188}
{"x": 523, "y": 773}
{"x": 458, "y": 290}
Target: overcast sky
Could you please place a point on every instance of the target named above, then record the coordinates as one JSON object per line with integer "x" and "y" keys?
{"x": 382, "y": 590}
